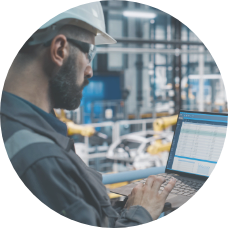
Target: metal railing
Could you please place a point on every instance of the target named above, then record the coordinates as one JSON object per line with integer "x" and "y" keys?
{"x": 116, "y": 127}
{"x": 148, "y": 50}
{"x": 131, "y": 122}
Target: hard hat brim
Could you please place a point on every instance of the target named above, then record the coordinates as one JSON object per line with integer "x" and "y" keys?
{"x": 104, "y": 38}
{"x": 101, "y": 37}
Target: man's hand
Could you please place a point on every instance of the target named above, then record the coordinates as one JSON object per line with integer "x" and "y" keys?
{"x": 147, "y": 195}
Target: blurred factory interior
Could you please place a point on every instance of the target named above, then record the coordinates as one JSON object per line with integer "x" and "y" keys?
{"x": 128, "y": 111}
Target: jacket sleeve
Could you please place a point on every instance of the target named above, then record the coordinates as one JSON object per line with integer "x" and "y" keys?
{"x": 50, "y": 181}
{"x": 133, "y": 216}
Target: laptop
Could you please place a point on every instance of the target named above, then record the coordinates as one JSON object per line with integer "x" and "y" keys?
{"x": 196, "y": 146}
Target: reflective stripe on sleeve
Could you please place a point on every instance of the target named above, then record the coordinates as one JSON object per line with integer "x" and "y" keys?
{"x": 21, "y": 139}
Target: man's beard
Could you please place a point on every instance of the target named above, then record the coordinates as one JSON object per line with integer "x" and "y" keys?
{"x": 64, "y": 92}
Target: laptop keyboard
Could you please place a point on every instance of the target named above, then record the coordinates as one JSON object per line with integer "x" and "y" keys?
{"x": 184, "y": 186}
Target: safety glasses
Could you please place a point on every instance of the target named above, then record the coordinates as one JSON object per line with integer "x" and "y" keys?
{"x": 86, "y": 48}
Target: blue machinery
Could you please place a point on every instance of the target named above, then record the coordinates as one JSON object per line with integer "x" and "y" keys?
{"x": 131, "y": 175}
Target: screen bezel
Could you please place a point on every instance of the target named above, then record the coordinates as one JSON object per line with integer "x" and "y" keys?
{"x": 195, "y": 176}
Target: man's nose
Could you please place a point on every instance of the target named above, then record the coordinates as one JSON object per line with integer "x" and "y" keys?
{"x": 88, "y": 72}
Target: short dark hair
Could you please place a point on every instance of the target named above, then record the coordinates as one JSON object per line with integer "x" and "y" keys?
{"x": 27, "y": 55}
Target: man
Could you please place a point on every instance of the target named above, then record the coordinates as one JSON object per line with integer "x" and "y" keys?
{"x": 50, "y": 71}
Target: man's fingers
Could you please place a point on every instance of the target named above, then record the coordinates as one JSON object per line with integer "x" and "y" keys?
{"x": 140, "y": 185}
{"x": 136, "y": 195}
{"x": 157, "y": 183}
{"x": 168, "y": 188}
{"x": 149, "y": 181}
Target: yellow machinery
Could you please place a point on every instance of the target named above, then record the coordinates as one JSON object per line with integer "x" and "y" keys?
{"x": 73, "y": 128}
{"x": 160, "y": 125}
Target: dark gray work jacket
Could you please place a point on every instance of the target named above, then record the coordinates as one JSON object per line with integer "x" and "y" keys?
{"x": 48, "y": 165}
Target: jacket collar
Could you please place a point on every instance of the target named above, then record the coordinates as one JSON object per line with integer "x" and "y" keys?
{"x": 19, "y": 111}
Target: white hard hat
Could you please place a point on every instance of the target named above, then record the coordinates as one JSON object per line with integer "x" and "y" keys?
{"x": 88, "y": 16}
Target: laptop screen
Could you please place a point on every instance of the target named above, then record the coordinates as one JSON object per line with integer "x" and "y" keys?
{"x": 197, "y": 143}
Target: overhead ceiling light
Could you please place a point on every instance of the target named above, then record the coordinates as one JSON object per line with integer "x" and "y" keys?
{"x": 139, "y": 14}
